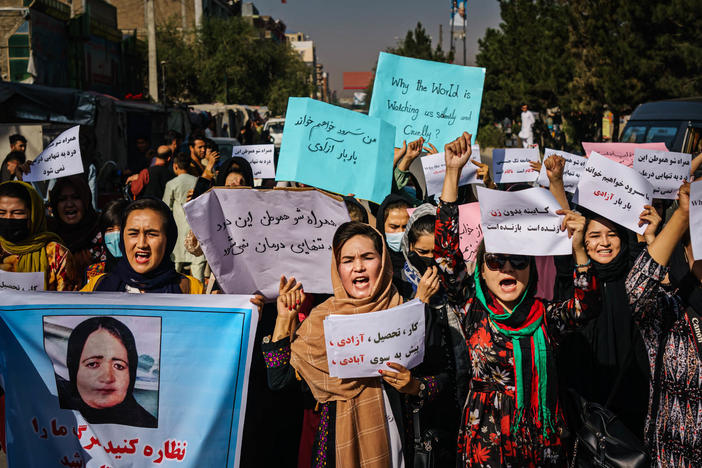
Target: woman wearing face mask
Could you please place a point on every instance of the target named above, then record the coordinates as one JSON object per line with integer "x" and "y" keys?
{"x": 511, "y": 415}
{"x": 110, "y": 226}
{"x": 361, "y": 419}
{"x": 25, "y": 244}
{"x": 76, "y": 222}
{"x": 391, "y": 220}
{"x": 148, "y": 236}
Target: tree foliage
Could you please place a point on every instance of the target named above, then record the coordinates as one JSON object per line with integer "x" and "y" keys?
{"x": 226, "y": 61}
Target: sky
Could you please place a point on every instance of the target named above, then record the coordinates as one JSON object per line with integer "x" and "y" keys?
{"x": 349, "y": 34}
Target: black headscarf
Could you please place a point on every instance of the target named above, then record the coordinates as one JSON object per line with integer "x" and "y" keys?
{"x": 128, "y": 412}
{"x": 235, "y": 164}
{"x": 164, "y": 278}
{"x": 79, "y": 236}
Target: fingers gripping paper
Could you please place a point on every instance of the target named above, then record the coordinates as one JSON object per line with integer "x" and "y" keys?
{"x": 250, "y": 237}
{"x": 336, "y": 149}
{"x": 523, "y": 222}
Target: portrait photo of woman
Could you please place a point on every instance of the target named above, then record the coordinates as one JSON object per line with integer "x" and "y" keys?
{"x": 101, "y": 363}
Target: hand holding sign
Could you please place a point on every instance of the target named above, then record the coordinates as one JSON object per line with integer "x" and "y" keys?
{"x": 458, "y": 152}
{"x": 651, "y": 219}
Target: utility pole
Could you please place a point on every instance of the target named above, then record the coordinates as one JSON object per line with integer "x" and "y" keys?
{"x": 151, "y": 36}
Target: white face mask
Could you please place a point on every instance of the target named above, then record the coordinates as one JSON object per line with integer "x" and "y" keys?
{"x": 394, "y": 239}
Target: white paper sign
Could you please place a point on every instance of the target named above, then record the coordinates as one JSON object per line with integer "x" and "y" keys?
{"x": 359, "y": 345}
{"x": 574, "y": 166}
{"x": 696, "y": 219}
{"x": 434, "y": 166}
{"x": 251, "y": 237}
{"x": 512, "y": 165}
{"x": 260, "y": 157}
{"x": 665, "y": 170}
{"x": 522, "y": 223}
{"x": 21, "y": 281}
{"x": 614, "y": 191}
{"x": 60, "y": 158}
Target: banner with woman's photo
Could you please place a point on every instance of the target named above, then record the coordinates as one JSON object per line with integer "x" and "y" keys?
{"x": 108, "y": 380}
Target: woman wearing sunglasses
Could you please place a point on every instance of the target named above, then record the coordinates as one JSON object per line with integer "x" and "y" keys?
{"x": 511, "y": 416}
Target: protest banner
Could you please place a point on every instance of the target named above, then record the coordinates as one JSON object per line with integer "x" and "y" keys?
{"x": 469, "y": 230}
{"x": 614, "y": 191}
{"x": 665, "y": 170}
{"x": 60, "y": 158}
{"x": 21, "y": 281}
{"x": 250, "y": 237}
{"x": 574, "y": 166}
{"x": 696, "y": 219}
{"x": 623, "y": 153}
{"x": 512, "y": 165}
{"x": 336, "y": 149}
{"x": 358, "y": 345}
{"x": 522, "y": 223}
{"x": 260, "y": 157}
{"x": 434, "y": 167}
{"x": 422, "y": 98}
{"x": 176, "y": 390}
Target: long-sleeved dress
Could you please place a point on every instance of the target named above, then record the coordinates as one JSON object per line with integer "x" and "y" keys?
{"x": 485, "y": 437}
{"x": 674, "y": 421}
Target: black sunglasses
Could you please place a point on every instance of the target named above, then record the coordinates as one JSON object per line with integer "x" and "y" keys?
{"x": 497, "y": 261}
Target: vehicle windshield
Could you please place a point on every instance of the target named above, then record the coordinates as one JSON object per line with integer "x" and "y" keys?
{"x": 649, "y": 133}
{"x": 276, "y": 127}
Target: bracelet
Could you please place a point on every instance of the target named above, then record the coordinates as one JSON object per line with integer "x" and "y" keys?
{"x": 584, "y": 264}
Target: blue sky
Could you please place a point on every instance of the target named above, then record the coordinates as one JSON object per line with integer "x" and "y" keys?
{"x": 349, "y": 34}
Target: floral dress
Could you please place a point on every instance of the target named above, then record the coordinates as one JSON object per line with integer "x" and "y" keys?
{"x": 486, "y": 438}
{"x": 59, "y": 277}
{"x": 674, "y": 426}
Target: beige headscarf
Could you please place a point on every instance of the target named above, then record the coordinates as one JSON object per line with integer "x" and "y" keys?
{"x": 361, "y": 425}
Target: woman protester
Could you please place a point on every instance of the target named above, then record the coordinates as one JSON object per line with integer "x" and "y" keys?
{"x": 102, "y": 361}
{"x": 25, "y": 244}
{"x": 110, "y": 227}
{"x": 512, "y": 415}
{"x": 148, "y": 236}
{"x": 362, "y": 420}
{"x": 76, "y": 222}
{"x": 670, "y": 329}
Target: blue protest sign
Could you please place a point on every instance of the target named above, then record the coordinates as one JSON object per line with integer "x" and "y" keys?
{"x": 336, "y": 149}
{"x": 105, "y": 380}
{"x": 422, "y": 98}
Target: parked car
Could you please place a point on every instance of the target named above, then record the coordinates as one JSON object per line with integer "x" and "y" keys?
{"x": 675, "y": 122}
{"x": 274, "y": 127}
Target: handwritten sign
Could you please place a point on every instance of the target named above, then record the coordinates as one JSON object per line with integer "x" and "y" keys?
{"x": 359, "y": 345}
{"x": 60, "y": 158}
{"x": 512, "y": 165}
{"x": 614, "y": 191}
{"x": 336, "y": 149}
{"x": 469, "y": 230}
{"x": 434, "y": 167}
{"x": 250, "y": 237}
{"x": 434, "y": 100}
{"x": 696, "y": 219}
{"x": 522, "y": 223}
{"x": 21, "y": 281}
{"x": 665, "y": 170}
{"x": 574, "y": 166}
{"x": 623, "y": 153}
{"x": 260, "y": 157}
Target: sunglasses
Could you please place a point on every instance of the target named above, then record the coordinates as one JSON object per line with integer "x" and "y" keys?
{"x": 497, "y": 261}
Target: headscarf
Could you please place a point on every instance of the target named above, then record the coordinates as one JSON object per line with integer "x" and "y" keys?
{"x": 126, "y": 412}
{"x": 79, "y": 236}
{"x": 163, "y": 279}
{"x": 410, "y": 272}
{"x": 361, "y": 425}
{"x": 534, "y": 366}
{"x": 396, "y": 258}
{"x": 32, "y": 250}
{"x": 236, "y": 164}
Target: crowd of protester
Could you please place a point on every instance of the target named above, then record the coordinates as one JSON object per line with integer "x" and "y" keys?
{"x": 514, "y": 344}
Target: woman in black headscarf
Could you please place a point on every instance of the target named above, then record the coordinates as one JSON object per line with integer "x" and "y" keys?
{"x": 102, "y": 363}
{"x": 148, "y": 236}
{"x": 235, "y": 166}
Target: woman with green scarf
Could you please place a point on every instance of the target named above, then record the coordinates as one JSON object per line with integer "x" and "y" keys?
{"x": 25, "y": 244}
{"x": 511, "y": 416}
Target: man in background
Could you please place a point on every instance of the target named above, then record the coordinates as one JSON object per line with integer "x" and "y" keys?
{"x": 527, "y": 133}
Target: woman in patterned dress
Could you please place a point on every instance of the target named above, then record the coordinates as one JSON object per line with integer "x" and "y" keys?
{"x": 511, "y": 416}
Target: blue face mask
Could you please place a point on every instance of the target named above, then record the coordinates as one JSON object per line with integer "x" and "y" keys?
{"x": 112, "y": 243}
{"x": 394, "y": 239}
